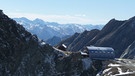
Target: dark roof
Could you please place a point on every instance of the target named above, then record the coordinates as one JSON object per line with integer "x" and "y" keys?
{"x": 101, "y": 53}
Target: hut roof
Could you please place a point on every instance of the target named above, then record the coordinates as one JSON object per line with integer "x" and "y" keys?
{"x": 100, "y": 48}
{"x": 101, "y": 53}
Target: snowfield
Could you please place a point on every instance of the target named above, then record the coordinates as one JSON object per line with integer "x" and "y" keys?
{"x": 120, "y": 67}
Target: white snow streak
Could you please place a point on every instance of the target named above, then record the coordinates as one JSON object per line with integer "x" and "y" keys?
{"x": 106, "y": 70}
{"x": 114, "y": 65}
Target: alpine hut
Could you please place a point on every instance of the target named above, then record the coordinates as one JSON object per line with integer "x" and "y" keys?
{"x": 100, "y": 53}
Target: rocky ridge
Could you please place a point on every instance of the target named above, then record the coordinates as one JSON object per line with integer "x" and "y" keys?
{"x": 119, "y": 35}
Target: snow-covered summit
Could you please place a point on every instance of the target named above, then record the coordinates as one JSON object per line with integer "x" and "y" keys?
{"x": 46, "y": 30}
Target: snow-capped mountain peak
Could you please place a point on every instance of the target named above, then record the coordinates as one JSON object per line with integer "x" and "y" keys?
{"x": 46, "y": 30}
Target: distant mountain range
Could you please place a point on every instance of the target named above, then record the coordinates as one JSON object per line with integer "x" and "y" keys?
{"x": 117, "y": 34}
{"x": 46, "y": 30}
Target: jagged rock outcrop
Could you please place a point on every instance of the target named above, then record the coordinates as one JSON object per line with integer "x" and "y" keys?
{"x": 23, "y": 54}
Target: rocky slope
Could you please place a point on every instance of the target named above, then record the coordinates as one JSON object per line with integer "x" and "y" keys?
{"x": 23, "y": 54}
{"x": 116, "y": 34}
{"x": 129, "y": 52}
{"x": 54, "y": 40}
{"x": 78, "y": 41}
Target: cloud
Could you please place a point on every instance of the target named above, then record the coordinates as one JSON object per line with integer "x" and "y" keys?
{"x": 79, "y": 19}
{"x": 80, "y": 15}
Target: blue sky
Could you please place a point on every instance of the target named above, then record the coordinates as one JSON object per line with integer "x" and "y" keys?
{"x": 70, "y": 11}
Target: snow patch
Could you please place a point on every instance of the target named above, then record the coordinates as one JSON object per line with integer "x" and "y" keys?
{"x": 106, "y": 70}
{"x": 64, "y": 45}
{"x": 109, "y": 73}
{"x": 82, "y": 53}
{"x": 119, "y": 70}
{"x": 42, "y": 43}
{"x": 114, "y": 65}
{"x": 123, "y": 73}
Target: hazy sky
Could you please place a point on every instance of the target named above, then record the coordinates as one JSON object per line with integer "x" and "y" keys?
{"x": 70, "y": 11}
